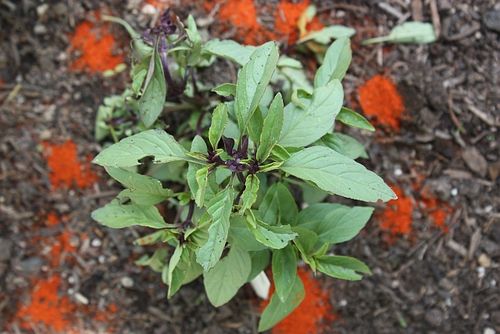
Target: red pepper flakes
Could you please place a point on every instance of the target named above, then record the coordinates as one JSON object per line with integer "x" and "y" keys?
{"x": 66, "y": 170}
{"x": 313, "y": 316}
{"x": 396, "y": 220}
{"x": 380, "y": 99}
{"x": 96, "y": 45}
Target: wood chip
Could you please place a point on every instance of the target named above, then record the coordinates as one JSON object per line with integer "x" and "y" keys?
{"x": 475, "y": 161}
{"x": 455, "y": 246}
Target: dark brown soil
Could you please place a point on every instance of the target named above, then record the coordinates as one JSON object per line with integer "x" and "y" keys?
{"x": 433, "y": 282}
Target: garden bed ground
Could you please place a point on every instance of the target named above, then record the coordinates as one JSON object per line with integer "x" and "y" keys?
{"x": 435, "y": 253}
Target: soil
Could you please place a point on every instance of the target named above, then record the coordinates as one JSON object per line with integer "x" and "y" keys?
{"x": 431, "y": 280}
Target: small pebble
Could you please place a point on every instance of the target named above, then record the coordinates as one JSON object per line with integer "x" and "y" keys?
{"x": 96, "y": 242}
{"x": 481, "y": 272}
{"x": 343, "y": 303}
{"x": 81, "y": 298}
{"x": 398, "y": 171}
{"x": 454, "y": 192}
{"x": 489, "y": 330}
{"x": 127, "y": 282}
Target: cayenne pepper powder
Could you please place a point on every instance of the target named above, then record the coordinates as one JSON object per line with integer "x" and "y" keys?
{"x": 66, "y": 171}
{"x": 396, "y": 220}
{"x": 313, "y": 316}
{"x": 287, "y": 17}
{"x": 96, "y": 45}
{"x": 379, "y": 98}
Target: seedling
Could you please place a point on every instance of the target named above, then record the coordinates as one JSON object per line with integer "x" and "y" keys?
{"x": 237, "y": 184}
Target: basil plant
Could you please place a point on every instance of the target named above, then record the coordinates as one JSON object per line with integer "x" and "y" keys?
{"x": 240, "y": 186}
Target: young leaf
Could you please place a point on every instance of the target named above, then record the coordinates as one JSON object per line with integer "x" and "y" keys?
{"x": 219, "y": 209}
{"x": 344, "y": 144}
{"x": 302, "y": 127}
{"x": 336, "y": 62}
{"x": 202, "y": 181}
{"x": 255, "y": 126}
{"x": 140, "y": 48}
{"x": 325, "y": 35}
{"x": 408, "y": 32}
{"x": 225, "y": 89}
{"x": 142, "y": 189}
{"x": 284, "y": 271}
{"x": 249, "y": 195}
{"x": 335, "y": 173}
{"x": 155, "y": 91}
{"x": 277, "y": 309}
{"x": 352, "y": 118}
{"x": 195, "y": 38}
{"x": 174, "y": 282}
{"x": 334, "y": 223}
{"x": 223, "y": 281}
{"x": 219, "y": 121}
{"x": 342, "y": 267}
{"x": 252, "y": 81}
{"x": 275, "y": 237}
{"x": 127, "y": 152}
{"x": 117, "y": 215}
{"x": 156, "y": 262}
{"x": 271, "y": 128}
{"x": 230, "y": 49}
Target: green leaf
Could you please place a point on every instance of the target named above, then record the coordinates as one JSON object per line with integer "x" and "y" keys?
{"x": 229, "y": 49}
{"x": 255, "y": 126}
{"x": 303, "y": 126}
{"x": 155, "y": 91}
{"x": 335, "y": 173}
{"x": 240, "y": 234}
{"x": 260, "y": 261}
{"x": 219, "y": 208}
{"x": 156, "y": 262}
{"x": 352, "y": 118}
{"x": 223, "y": 281}
{"x": 278, "y": 310}
{"x": 142, "y": 189}
{"x": 140, "y": 48}
{"x": 271, "y": 128}
{"x": 334, "y": 223}
{"x": 297, "y": 78}
{"x": 342, "y": 267}
{"x": 278, "y": 205}
{"x": 202, "y": 181}
{"x": 252, "y": 81}
{"x": 127, "y": 152}
{"x": 325, "y": 35}
{"x": 336, "y": 62}
{"x": 219, "y": 121}
{"x": 225, "y": 89}
{"x": 408, "y": 32}
{"x": 157, "y": 236}
{"x": 284, "y": 271}
{"x": 307, "y": 242}
{"x": 249, "y": 195}
{"x": 174, "y": 282}
{"x": 195, "y": 38}
{"x": 275, "y": 237}
{"x": 344, "y": 144}
{"x": 117, "y": 215}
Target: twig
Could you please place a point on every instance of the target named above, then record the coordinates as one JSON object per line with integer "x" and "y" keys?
{"x": 436, "y": 21}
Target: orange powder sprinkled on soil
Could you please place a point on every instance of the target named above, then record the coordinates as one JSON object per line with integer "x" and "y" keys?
{"x": 437, "y": 210}
{"x": 160, "y": 4}
{"x": 62, "y": 245}
{"x": 46, "y": 307}
{"x": 52, "y": 219}
{"x": 379, "y": 98}
{"x": 66, "y": 170}
{"x": 287, "y": 17}
{"x": 96, "y": 45}
{"x": 241, "y": 15}
{"x": 396, "y": 219}
{"x": 314, "y": 314}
